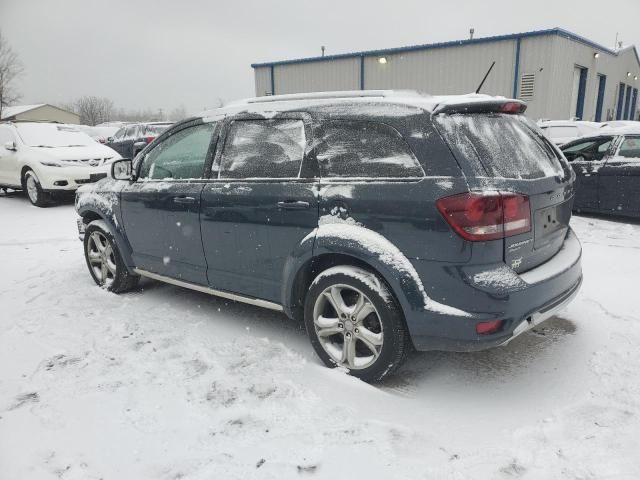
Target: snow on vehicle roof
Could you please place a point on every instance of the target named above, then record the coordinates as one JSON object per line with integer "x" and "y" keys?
{"x": 627, "y": 130}
{"x": 570, "y": 123}
{"x": 409, "y": 98}
{"x": 52, "y": 134}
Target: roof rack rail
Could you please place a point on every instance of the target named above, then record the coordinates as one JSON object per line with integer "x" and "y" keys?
{"x": 329, "y": 95}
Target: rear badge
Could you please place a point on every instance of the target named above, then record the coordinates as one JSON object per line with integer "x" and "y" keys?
{"x": 516, "y": 246}
{"x": 516, "y": 263}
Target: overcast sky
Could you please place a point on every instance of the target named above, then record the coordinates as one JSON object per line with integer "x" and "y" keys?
{"x": 163, "y": 54}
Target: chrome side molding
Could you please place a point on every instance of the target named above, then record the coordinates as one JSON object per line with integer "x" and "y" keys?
{"x": 218, "y": 293}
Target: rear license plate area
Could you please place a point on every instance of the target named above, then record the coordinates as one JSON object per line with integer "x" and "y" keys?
{"x": 551, "y": 222}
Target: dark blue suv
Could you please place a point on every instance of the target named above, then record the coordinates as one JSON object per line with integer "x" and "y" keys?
{"x": 384, "y": 220}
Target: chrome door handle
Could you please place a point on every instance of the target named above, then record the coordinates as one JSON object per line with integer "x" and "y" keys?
{"x": 184, "y": 200}
{"x": 295, "y": 205}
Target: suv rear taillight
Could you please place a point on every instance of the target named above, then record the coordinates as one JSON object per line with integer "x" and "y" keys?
{"x": 486, "y": 216}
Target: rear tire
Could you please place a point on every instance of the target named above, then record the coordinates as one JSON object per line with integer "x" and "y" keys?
{"x": 33, "y": 189}
{"x": 104, "y": 260}
{"x": 353, "y": 321}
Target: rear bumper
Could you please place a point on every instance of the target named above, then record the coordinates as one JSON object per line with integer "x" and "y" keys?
{"x": 522, "y": 301}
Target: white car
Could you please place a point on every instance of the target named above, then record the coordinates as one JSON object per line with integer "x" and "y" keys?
{"x": 564, "y": 131}
{"x": 45, "y": 159}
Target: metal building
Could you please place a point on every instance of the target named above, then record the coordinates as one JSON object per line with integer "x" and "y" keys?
{"x": 39, "y": 112}
{"x": 559, "y": 74}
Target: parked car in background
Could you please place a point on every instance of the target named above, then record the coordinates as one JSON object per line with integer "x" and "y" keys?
{"x": 132, "y": 138}
{"x": 563, "y": 131}
{"x": 99, "y": 134}
{"x": 115, "y": 123}
{"x": 622, "y": 123}
{"x": 45, "y": 159}
{"x": 361, "y": 213}
{"x": 607, "y": 168}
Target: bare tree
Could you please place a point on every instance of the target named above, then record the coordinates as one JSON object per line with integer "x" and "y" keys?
{"x": 93, "y": 110}
{"x": 178, "y": 113}
{"x": 10, "y": 69}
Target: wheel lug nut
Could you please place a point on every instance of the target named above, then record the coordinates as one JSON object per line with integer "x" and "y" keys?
{"x": 340, "y": 325}
{"x": 348, "y": 335}
{"x": 356, "y": 330}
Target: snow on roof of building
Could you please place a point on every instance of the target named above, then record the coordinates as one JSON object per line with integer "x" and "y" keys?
{"x": 8, "y": 112}
{"x": 455, "y": 43}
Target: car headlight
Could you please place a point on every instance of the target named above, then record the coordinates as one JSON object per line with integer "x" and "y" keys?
{"x": 47, "y": 163}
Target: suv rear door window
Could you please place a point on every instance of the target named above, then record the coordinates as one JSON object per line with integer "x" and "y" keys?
{"x": 263, "y": 149}
{"x": 365, "y": 149}
{"x": 506, "y": 145}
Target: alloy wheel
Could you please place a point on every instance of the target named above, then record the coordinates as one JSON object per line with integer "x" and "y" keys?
{"x": 348, "y": 326}
{"x": 32, "y": 188}
{"x": 101, "y": 258}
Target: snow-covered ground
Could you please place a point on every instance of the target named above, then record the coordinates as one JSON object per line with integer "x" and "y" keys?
{"x": 166, "y": 383}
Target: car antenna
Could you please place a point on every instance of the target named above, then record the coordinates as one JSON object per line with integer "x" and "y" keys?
{"x": 485, "y": 77}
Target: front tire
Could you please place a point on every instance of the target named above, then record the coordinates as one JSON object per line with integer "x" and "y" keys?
{"x": 354, "y": 322}
{"x": 33, "y": 189}
{"x": 104, "y": 260}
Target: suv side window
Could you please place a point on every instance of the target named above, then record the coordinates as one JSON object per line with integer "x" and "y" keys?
{"x": 365, "y": 149}
{"x": 182, "y": 155}
{"x": 588, "y": 150}
{"x": 130, "y": 132}
{"x": 119, "y": 134}
{"x": 263, "y": 149}
{"x": 630, "y": 148}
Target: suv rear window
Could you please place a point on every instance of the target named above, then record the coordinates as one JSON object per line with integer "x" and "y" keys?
{"x": 507, "y": 146}
{"x": 263, "y": 149}
{"x": 365, "y": 149}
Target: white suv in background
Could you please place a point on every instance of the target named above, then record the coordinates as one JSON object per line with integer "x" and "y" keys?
{"x": 564, "y": 131}
{"x": 48, "y": 158}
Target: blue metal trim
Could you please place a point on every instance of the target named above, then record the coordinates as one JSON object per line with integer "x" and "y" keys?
{"x": 621, "y": 89}
{"x": 273, "y": 81}
{"x": 361, "y": 72}
{"x": 582, "y": 89}
{"x": 627, "y": 103}
{"x": 516, "y": 70}
{"x": 602, "y": 83}
{"x": 456, "y": 43}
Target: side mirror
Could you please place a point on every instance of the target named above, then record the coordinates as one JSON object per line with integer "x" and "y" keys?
{"x": 122, "y": 169}
{"x": 11, "y": 146}
{"x": 109, "y": 139}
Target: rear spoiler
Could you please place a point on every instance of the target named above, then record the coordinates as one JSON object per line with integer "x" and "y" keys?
{"x": 482, "y": 106}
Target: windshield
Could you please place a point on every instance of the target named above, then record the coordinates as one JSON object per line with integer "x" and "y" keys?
{"x": 52, "y": 135}
{"x": 507, "y": 146}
